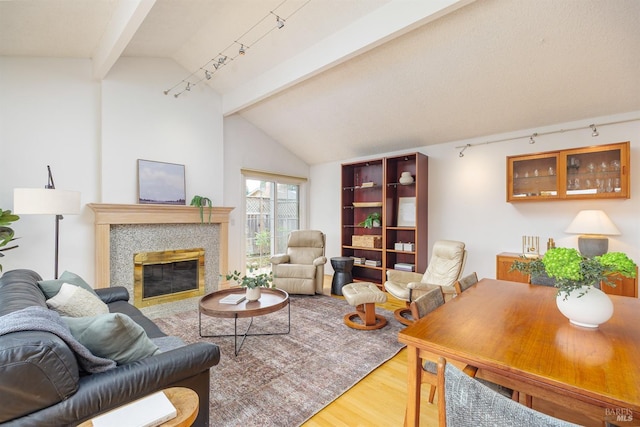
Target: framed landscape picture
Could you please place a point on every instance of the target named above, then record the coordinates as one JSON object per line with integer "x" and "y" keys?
{"x": 160, "y": 183}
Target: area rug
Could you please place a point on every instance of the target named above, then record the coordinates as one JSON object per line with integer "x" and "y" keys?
{"x": 282, "y": 380}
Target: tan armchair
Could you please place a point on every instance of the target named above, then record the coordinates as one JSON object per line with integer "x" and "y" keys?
{"x": 445, "y": 267}
{"x": 301, "y": 269}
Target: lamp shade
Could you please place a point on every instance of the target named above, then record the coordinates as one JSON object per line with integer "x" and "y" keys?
{"x": 592, "y": 222}
{"x": 46, "y": 201}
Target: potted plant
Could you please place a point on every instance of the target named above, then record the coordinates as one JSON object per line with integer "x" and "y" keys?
{"x": 372, "y": 220}
{"x": 252, "y": 283}
{"x": 578, "y": 280}
{"x": 201, "y": 202}
{"x": 6, "y": 233}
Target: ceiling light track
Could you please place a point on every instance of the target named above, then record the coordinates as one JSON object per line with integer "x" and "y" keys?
{"x": 214, "y": 65}
{"x": 530, "y": 137}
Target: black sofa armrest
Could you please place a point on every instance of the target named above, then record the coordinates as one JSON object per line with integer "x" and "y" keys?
{"x": 99, "y": 393}
{"x": 114, "y": 293}
{"x": 37, "y": 369}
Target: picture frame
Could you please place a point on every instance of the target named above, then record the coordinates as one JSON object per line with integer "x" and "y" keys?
{"x": 161, "y": 183}
{"x": 406, "y": 211}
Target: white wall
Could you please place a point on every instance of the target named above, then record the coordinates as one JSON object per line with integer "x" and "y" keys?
{"x": 467, "y": 195}
{"x": 49, "y": 115}
{"x": 245, "y": 146}
{"x": 91, "y": 133}
{"x": 140, "y": 122}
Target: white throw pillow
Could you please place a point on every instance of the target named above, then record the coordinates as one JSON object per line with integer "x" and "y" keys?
{"x": 74, "y": 301}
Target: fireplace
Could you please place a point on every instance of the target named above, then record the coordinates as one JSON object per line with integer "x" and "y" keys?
{"x": 167, "y": 276}
{"x": 122, "y": 231}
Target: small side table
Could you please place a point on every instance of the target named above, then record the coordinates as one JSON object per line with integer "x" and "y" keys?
{"x": 342, "y": 267}
{"x": 185, "y": 401}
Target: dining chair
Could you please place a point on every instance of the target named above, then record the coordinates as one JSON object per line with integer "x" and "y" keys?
{"x": 461, "y": 286}
{"x": 463, "y": 401}
{"x": 465, "y": 283}
{"x": 422, "y": 306}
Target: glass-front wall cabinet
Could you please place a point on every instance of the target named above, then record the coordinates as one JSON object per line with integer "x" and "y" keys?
{"x": 582, "y": 173}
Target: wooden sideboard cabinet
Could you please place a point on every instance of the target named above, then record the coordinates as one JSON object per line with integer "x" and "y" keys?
{"x": 624, "y": 286}
{"x": 503, "y": 264}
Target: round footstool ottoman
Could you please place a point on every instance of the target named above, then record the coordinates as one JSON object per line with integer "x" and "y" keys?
{"x": 364, "y": 296}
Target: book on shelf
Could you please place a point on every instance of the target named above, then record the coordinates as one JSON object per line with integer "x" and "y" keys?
{"x": 149, "y": 411}
{"x": 373, "y": 263}
{"x": 358, "y": 260}
{"x": 233, "y": 299}
{"x": 403, "y": 266}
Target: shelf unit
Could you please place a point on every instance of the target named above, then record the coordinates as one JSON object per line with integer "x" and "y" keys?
{"x": 597, "y": 172}
{"x": 374, "y": 186}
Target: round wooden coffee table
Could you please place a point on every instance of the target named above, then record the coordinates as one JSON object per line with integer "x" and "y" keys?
{"x": 271, "y": 300}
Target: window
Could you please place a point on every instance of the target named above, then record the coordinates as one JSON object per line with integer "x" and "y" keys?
{"x": 272, "y": 210}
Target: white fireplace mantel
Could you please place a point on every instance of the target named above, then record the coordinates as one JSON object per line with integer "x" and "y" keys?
{"x": 110, "y": 214}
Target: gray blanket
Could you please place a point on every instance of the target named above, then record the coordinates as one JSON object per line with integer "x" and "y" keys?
{"x": 41, "y": 319}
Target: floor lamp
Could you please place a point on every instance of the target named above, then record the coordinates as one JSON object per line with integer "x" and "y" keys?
{"x": 47, "y": 201}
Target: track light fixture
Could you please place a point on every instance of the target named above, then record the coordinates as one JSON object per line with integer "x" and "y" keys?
{"x": 594, "y": 132}
{"x": 248, "y": 39}
{"x": 461, "y": 154}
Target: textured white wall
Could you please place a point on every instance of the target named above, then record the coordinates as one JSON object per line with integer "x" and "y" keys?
{"x": 53, "y": 113}
{"x": 467, "y": 195}
{"x": 49, "y": 115}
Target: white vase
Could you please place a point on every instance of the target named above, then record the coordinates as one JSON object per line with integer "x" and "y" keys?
{"x": 589, "y": 310}
{"x": 253, "y": 294}
{"x": 406, "y": 178}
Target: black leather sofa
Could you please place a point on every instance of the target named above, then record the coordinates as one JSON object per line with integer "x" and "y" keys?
{"x": 41, "y": 383}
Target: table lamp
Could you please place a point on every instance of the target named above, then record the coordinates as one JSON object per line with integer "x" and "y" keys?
{"x": 47, "y": 201}
{"x": 593, "y": 226}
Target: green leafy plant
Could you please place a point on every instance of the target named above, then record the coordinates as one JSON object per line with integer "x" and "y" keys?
{"x": 262, "y": 280}
{"x": 201, "y": 202}
{"x": 6, "y": 233}
{"x": 369, "y": 220}
{"x": 572, "y": 271}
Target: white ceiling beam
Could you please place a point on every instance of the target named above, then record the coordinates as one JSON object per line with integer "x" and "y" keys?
{"x": 392, "y": 20}
{"x": 124, "y": 23}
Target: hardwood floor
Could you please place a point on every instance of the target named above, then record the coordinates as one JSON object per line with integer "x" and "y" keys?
{"x": 380, "y": 398}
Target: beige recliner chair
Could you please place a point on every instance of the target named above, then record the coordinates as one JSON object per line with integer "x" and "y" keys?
{"x": 445, "y": 267}
{"x": 301, "y": 269}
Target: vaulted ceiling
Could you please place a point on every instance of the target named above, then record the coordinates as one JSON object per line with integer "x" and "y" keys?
{"x": 347, "y": 78}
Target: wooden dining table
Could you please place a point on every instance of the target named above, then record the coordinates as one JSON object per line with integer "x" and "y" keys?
{"x": 515, "y": 335}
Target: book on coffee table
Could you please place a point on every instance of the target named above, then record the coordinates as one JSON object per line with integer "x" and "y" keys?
{"x": 233, "y": 299}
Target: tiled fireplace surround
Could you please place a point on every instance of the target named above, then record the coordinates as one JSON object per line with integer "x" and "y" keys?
{"x": 123, "y": 230}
